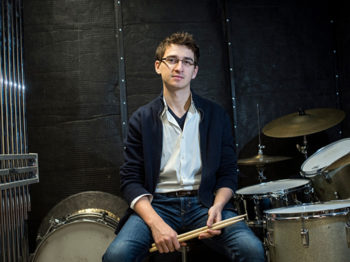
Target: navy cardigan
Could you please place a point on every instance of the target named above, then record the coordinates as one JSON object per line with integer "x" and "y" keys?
{"x": 143, "y": 148}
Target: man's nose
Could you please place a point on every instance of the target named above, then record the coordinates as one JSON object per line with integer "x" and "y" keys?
{"x": 179, "y": 65}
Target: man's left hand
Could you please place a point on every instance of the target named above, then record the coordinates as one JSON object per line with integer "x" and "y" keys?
{"x": 214, "y": 216}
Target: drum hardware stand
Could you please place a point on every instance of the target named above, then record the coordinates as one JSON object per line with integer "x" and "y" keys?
{"x": 184, "y": 250}
{"x": 260, "y": 168}
{"x": 260, "y": 160}
{"x": 303, "y": 149}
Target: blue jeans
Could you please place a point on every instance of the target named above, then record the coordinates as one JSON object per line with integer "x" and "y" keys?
{"x": 183, "y": 214}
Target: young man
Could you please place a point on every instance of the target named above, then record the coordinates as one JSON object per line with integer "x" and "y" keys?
{"x": 180, "y": 167}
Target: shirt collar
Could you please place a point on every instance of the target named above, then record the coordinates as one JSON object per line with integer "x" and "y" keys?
{"x": 192, "y": 109}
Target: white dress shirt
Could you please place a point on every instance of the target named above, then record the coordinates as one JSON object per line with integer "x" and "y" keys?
{"x": 181, "y": 164}
{"x": 180, "y": 167}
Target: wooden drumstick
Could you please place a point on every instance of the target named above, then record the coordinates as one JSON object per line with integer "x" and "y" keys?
{"x": 201, "y": 229}
{"x": 195, "y": 233}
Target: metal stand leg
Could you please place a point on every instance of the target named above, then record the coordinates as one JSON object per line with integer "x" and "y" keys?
{"x": 184, "y": 250}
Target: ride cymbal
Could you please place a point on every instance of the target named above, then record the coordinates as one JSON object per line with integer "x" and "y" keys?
{"x": 304, "y": 123}
{"x": 260, "y": 159}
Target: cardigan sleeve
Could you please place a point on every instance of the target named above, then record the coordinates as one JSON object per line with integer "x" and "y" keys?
{"x": 132, "y": 172}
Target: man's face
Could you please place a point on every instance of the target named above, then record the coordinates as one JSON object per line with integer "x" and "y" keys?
{"x": 177, "y": 75}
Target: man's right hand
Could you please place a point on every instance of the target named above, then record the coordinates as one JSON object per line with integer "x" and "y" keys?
{"x": 164, "y": 236}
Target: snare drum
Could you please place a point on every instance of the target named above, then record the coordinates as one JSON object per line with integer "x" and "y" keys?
{"x": 253, "y": 200}
{"x": 309, "y": 232}
{"x": 83, "y": 236}
{"x": 329, "y": 183}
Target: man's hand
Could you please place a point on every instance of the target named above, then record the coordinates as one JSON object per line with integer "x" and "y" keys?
{"x": 223, "y": 195}
{"x": 164, "y": 237}
{"x": 214, "y": 216}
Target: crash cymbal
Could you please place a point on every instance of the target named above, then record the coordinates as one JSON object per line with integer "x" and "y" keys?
{"x": 304, "y": 123}
{"x": 261, "y": 159}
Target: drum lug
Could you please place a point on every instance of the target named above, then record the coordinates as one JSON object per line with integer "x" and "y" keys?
{"x": 304, "y": 237}
{"x": 347, "y": 230}
{"x": 54, "y": 223}
{"x": 310, "y": 190}
{"x": 269, "y": 239}
{"x": 327, "y": 177}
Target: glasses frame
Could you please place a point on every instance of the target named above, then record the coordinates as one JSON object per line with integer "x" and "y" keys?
{"x": 185, "y": 61}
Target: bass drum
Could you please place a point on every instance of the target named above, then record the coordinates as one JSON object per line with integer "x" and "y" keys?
{"x": 84, "y": 232}
{"x": 310, "y": 232}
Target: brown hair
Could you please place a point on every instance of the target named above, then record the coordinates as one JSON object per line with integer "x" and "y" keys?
{"x": 179, "y": 38}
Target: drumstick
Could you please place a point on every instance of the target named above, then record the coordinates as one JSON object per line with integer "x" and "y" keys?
{"x": 206, "y": 227}
{"x": 195, "y": 233}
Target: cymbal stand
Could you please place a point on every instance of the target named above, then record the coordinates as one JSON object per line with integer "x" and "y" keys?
{"x": 303, "y": 149}
{"x": 260, "y": 168}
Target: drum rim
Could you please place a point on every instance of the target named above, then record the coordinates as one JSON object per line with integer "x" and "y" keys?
{"x": 271, "y": 193}
{"x": 317, "y": 171}
{"x": 64, "y": 225}
{"x": 331, "y": 212}
{"x": 97, "y": 211}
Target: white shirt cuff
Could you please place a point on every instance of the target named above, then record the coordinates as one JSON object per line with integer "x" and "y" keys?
{"x": 150, "y": 197}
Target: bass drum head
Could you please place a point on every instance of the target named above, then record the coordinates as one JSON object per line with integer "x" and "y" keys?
{"x": 76, "y": 241}
{"x": 80, "y": 201}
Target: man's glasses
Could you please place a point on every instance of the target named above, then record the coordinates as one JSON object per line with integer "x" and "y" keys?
{"x": 173, "y": 60}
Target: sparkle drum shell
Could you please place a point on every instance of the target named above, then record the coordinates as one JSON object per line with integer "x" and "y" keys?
{"x": 309, "y": 232}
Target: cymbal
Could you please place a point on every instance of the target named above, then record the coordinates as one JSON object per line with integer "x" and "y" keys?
{"x": 261, "y": 159}
{"x": 304, "y": 123}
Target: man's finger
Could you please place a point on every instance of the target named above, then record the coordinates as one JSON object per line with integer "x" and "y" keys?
{"x": 209, "y": 233}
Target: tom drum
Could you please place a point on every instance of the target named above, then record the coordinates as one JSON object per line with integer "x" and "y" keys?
{"x": 254, "y": 200}
{"x": 329, "y": 171}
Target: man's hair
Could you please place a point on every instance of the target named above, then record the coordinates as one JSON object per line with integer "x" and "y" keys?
{"x": 179, "y": 38}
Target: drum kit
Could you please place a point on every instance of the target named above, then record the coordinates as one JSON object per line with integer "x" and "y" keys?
{"x": 306, "y": 219}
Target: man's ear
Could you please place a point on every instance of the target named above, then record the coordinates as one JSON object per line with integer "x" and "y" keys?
{"x": 156, "y": 66}
{"x": 195, "y": 71}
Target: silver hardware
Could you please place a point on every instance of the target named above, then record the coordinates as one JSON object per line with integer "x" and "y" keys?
{"x": 304, "y": 233}
{"x": 270, "y": 240}
{"x": 347, "y": 230}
